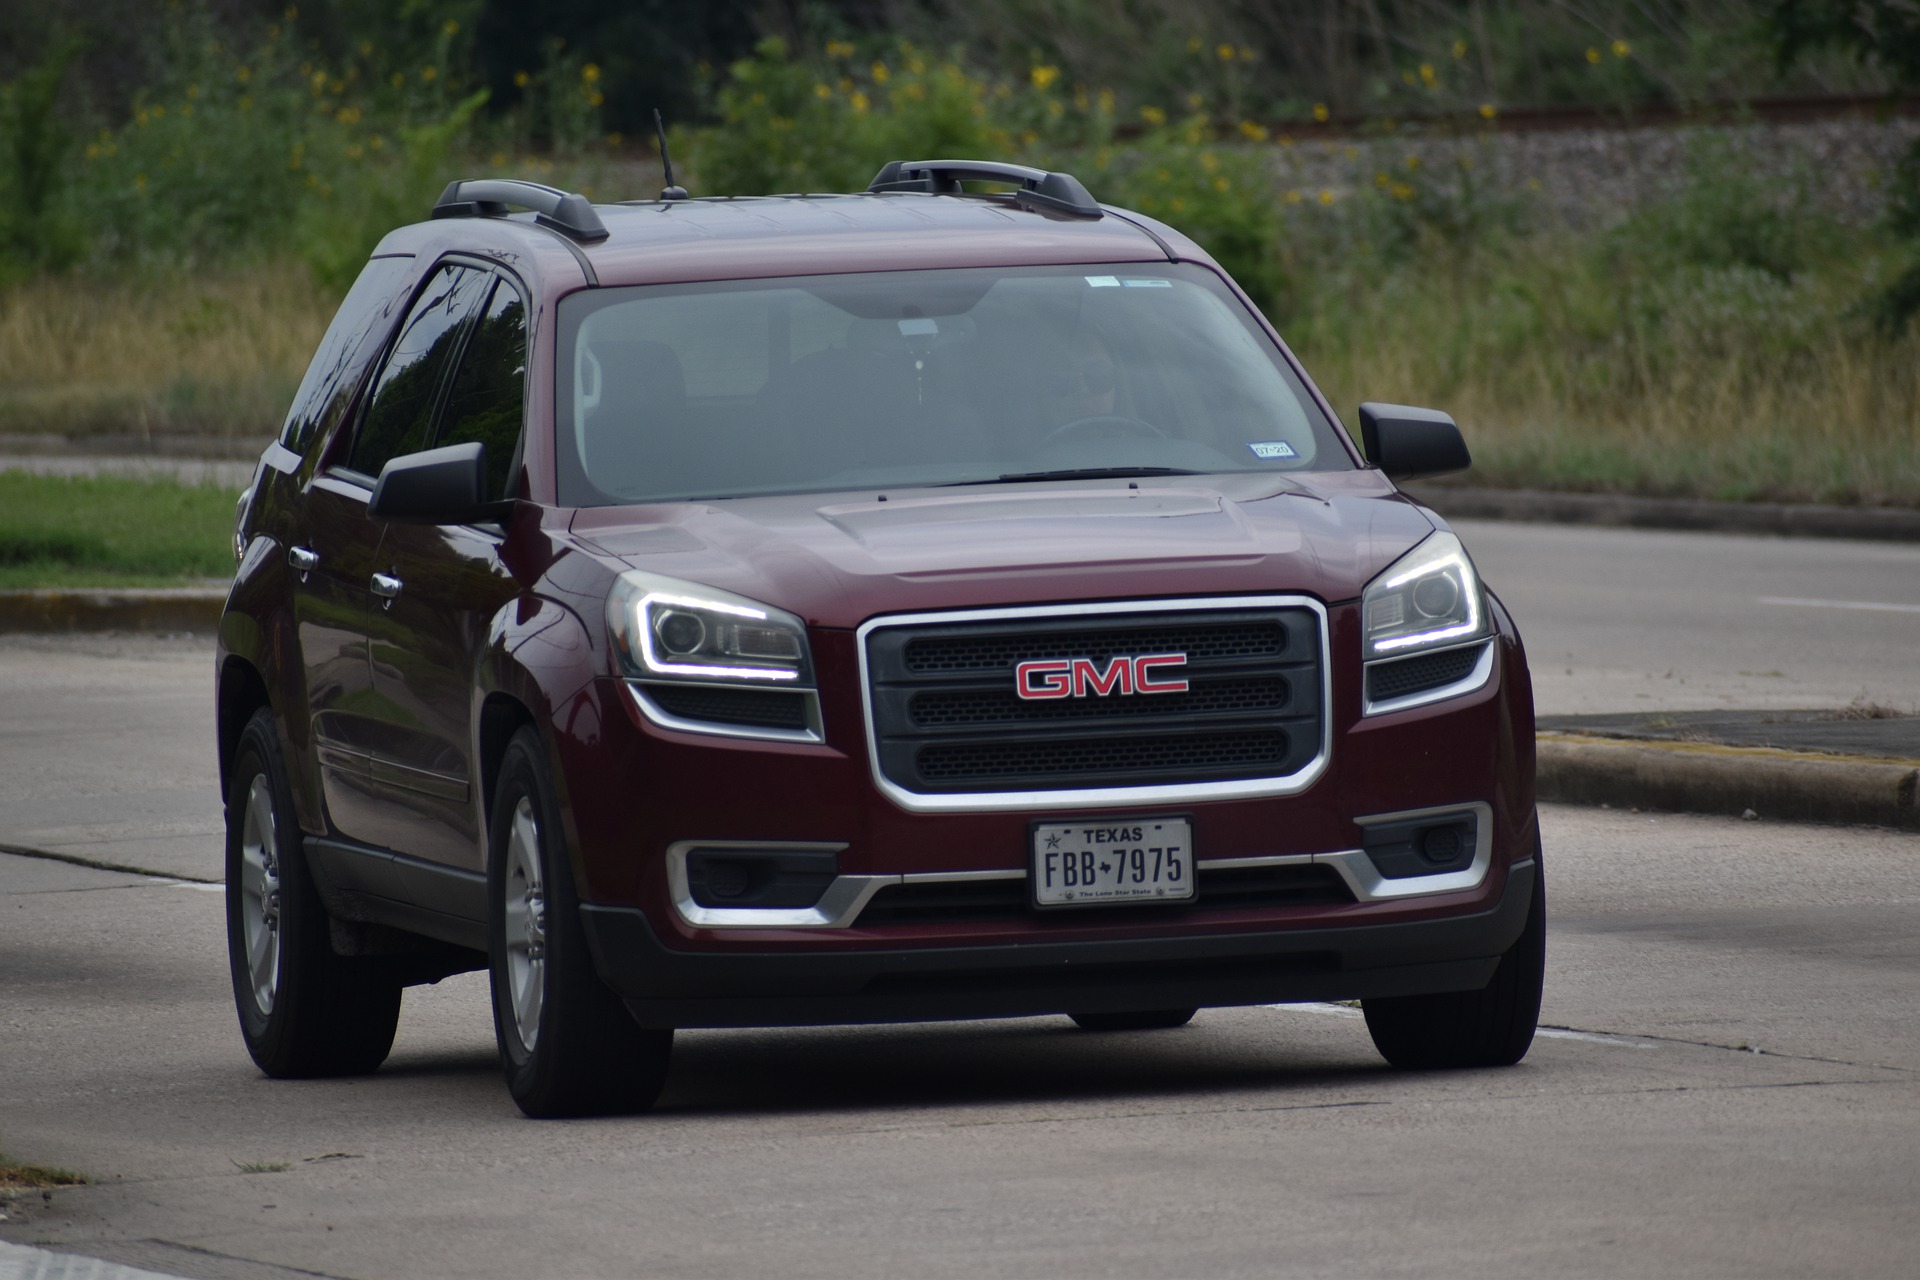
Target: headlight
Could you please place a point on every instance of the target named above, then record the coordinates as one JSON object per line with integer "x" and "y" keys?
{"x": 1429, "y": 598}
{"x": 667, "y": 629}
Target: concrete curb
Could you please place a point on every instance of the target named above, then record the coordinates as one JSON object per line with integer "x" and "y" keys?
{"x": 158, "y": 609}
{"x": 1700, "y": 777}
{"x": 1779, "y": 519}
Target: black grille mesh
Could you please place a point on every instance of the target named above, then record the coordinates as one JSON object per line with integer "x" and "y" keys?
{"x": 947, "y": 717}
{"x": 1247, "y": 693}
{"x": 757, "y": 708}
{"x": 1387, "y": 680}
{"x": 1101, "y": 756}
{"x": 995, "y": 652}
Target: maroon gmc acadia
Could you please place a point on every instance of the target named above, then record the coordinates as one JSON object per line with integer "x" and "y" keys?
{"x": 924, "y": 603}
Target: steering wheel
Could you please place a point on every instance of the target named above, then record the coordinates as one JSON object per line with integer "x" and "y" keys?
{"x": 1102, "y": 424}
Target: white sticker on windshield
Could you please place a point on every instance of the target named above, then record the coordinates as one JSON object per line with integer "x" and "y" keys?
{"x": 917, "y": 327}
{"x": 1104, "y": 282}
{"x": 1272, "y": 449}
{"x": 1149, "y": 283}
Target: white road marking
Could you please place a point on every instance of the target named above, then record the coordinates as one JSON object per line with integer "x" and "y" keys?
{"x": 1873, "y": 606}
{"x": 192, "y": 884}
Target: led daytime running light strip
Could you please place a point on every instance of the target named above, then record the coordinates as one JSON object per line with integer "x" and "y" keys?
{"x": 1469, "y": 588}
{"x": 659, "y": 666}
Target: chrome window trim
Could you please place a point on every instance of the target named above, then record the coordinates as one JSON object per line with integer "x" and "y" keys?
{"x": 1474, "y": 679}
{"x": 656, "y": 714}
{"x": 1099, "y": 797}
{"x": 843, "y": 900}
{"x": 1368, "y": 885}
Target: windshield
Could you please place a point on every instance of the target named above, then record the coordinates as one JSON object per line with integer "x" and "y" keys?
{"x": 918, "y": 378}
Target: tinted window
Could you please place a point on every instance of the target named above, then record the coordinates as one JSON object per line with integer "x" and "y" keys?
{"x": 485, "y": 403}
{"x": 911, "y": 378}
{"x": 358, "y": 328}
{"x": 401, "y": 412}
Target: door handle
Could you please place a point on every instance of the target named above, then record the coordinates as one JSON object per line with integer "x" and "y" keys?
{"x": 304, "y": 560}
{"x": 386, "y": 586}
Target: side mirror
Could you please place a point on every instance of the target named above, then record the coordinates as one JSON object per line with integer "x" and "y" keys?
{"x": 447, "y": 485}
{"x": 1409, "y": 443}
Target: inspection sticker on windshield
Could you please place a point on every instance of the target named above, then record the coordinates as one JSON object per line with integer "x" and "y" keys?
{"x": 1149, "y": 283}
{"x": 1104, "y": 282}
{"x": 1272, "y": 449}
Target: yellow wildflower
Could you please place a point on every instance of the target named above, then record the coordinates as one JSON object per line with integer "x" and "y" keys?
{"x": 1153, "y": 116}
{"x": 1428, "y": 76}
{"x": 1621, "y": 48}
{"x": 1593, "y": 55}
{"x": 1105, "y": 99}
{"x": 1246, "y": 54}
{"x": 859, "y": 103}
{"x": 160, "y": 112}
{"x": 1326, "y": 197}
{"x": 1292, "y": 197}
{"x": 1320, "y": 112}
{"x": 193, "y": 91}
{"x": 1195, "y": 102}
{"x": 1223, "y": 51}
{"x": 521, "y": 79}
{"x": 1043, "y": 76}
{"x": 1488, "y": 111}
{"x": 1381, "y": 179}
{"x": 880, "y": 73}
{"x": 1401, "y": 191}
{"x": 822, "y": 90}
{"x": 596, "y": 98}
{"x": 451, "y": 27}
{"x": 1253, "y": 132}
{"x": 591, "y": 73}
{"x": 1459, "y": 48}
{"x": 398, "y": 78}
{"x": 429, "y": 73}
{"x": 1221, "y": 184}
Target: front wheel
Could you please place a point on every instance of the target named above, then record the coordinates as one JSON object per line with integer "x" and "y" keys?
{"x": 567, "y": 1045}
{"x": 304, "y": 1011}
{"x": 1492, "y": 1027}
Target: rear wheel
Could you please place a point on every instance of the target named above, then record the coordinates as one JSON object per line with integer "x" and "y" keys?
{"x": 1145, "y": 1020}
{"x": 1492, "y": 1027}
{"x": 567, "y": 1044}
{"x": 304, "y": 1011}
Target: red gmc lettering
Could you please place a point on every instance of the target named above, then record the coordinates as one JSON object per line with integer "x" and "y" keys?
{"x": 1078, "y": 677}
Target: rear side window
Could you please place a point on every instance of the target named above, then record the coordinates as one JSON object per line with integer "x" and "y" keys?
{"x": 401, "y": 411}
{"x": 359, "y": 327}
{"x": 485, "y": 403}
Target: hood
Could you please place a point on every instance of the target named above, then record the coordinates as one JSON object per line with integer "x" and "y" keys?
{"x": 839, "y": 559}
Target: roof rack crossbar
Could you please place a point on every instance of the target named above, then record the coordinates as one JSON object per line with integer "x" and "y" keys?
{"x": 565, "y": 211}
{"x": 1034, "y": 188}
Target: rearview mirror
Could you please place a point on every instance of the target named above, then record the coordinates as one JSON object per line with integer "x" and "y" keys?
{"x": 447, "y": 485}
{"x": 1409, "y": 443}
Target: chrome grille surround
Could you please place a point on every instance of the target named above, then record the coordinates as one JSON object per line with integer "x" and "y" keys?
{"x": 1068, "y": 798}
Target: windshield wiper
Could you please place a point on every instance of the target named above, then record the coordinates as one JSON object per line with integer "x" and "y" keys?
{"x": 1077, "y": 473}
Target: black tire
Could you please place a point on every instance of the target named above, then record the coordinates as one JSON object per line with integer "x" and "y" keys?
{"x": 581, "y": 1052}
{"x": 311, "y": 1012}
{"x": 1492, "y": 1027}
{"x": 1144, "y": 1020}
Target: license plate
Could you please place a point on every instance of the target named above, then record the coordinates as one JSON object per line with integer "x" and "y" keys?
{"x": 1101, "y": 861}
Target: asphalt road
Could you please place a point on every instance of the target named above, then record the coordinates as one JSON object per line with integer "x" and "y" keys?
{"x": 1634, "y": 620}
{"x": 1736, "y": 1092}
{"x": 1733, "y": 1089}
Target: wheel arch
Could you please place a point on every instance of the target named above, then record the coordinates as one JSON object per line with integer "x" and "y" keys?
{"x": 242, "y": 690}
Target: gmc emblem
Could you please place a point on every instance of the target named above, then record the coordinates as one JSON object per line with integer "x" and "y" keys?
{"x": 1078, "y": 677}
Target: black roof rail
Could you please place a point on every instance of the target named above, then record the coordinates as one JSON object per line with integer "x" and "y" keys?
{"x": 564, "y": 211}
{"x": 1036, "y": 188}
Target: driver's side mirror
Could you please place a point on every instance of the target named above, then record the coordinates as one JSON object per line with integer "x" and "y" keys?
{"x": 1409, "y": 443}
{"x": 447, "y": 485}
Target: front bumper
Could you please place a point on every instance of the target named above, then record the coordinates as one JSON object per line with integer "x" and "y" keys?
{"x": 666, "y": 987}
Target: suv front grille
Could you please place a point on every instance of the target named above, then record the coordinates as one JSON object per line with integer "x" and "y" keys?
{"x": 947, "y": 718}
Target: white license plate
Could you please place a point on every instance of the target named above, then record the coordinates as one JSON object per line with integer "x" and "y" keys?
{"x": 1098, "y": 861}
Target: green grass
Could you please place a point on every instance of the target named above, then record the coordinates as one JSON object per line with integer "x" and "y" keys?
{"x": 20, "y": 1177}
{"x": 112, "y": 531}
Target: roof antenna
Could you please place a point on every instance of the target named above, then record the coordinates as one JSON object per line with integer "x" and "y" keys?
{"x": 669, "y": 192}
